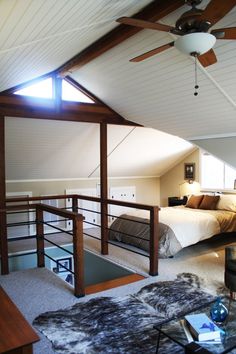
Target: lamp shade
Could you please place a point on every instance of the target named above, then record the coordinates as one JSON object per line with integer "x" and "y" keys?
{"x": 199, "y": 42}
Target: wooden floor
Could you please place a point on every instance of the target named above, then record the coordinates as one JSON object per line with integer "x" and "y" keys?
{"x": 128, "y": 279}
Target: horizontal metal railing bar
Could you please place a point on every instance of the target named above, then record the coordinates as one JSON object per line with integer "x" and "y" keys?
{"x": 55, "y": 244}
{"x": 21, "y": 254}
{"x": 137, "y": 221}
{"x": 58, "y": 228}
{"x": 91, "y": 223}
{"x": 19, "y": 238}
{"x": 34, "y": 236}
{"x": 123, "y": 233}
{"x": 96, "y": 238}
{"x": 61, "y": 265}
{"x": 127, "y": 248}
{"x": 21, "y": 212}
{"x": 21, "y": 223}
{"x": 60, "y": 220}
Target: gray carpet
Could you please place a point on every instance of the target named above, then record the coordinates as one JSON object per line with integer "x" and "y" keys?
{"x": 36, "y": 291}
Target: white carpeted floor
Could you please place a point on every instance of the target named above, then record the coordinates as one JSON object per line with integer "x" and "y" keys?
{"x": 35, "y": 291}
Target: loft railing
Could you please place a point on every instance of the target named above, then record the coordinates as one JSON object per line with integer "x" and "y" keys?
{"x": 103, "y": 225}
{"x": 77, "y": 240}
{"x": 78, "y": 247}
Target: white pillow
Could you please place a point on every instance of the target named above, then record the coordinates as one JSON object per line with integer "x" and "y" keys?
{"x": 227, "y": 202}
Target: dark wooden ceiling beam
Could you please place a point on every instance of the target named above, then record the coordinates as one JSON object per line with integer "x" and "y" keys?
{"x": 152, "y": 12}
{"x": 18, "y": 106}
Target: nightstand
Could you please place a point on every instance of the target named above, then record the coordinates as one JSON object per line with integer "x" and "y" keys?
{"x": 173, "y": 201}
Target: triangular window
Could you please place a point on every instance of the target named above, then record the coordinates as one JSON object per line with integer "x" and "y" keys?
{"x": 44, "y": 89}
{"x": 71, "y": 93}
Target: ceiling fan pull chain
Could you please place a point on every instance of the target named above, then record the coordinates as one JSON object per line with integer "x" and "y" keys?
{"x": 196, "y": 84}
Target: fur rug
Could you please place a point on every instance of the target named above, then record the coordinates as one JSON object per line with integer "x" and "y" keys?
{"x": 122, "y": 324}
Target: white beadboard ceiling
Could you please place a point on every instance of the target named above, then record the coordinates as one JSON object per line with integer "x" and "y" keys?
{"x": 37, "y": 36}
{"x": 37, "y": 149}
{"x": 158, "y": 92}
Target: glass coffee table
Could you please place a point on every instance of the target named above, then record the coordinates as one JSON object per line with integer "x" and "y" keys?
{"x": 174, "y": 330}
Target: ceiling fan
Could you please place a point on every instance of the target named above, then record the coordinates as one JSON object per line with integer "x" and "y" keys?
{"x": 193, "y": 27}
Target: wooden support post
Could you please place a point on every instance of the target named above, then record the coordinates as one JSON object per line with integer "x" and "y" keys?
{"x": 154, "y": 238}
{"x": 103, "y": 177}
{"x": 75, "y": 204}
{"x": 40, "y": 237}
{"x": 3, "y": 215}
{"x": 78, "y": 256}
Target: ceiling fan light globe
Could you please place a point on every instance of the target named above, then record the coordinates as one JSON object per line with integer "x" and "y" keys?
{"x": 199, "y": 42}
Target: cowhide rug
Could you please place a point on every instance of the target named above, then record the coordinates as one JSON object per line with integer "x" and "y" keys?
{"x": 122, "y": 324}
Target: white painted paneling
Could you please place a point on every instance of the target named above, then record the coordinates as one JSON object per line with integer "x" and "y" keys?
{"x": 87, "y": 208}
{"x": 158, "y": 92}
{"x": 125, "y": 194}
{"x": 38, "y": 149}
{"x": 37, "y": 36}
{"x": 16, "y": 217}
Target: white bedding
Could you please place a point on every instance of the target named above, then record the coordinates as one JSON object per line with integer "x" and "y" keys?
{"x": 198, "y": 225}
{"x": 189, "y": 225}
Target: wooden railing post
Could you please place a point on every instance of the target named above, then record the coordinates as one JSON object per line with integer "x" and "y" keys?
{"x": 104, "y": 188}
{"x": 78, "y": 256}
{"x": 3, "y": 243}
{"x": 75, "y": 204}
{"x": 40, "y": 237}
{"x": 3, "y": 214}
{"x": 154, "y": 238}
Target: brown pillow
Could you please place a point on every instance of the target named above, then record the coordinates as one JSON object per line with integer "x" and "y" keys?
{"x": 194, "y": 201}
{"x": 209, "y": 202}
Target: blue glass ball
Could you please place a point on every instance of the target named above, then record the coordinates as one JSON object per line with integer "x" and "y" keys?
{"x": 218, "y": 311}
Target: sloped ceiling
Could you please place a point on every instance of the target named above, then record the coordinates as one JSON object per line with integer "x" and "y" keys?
{"x": 37, "y": 37}
{"x": 159, "y": 92}
{"x": 37, "y": 149}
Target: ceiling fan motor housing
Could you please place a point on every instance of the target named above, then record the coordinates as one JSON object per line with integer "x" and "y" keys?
{"x": 189, "y": 22}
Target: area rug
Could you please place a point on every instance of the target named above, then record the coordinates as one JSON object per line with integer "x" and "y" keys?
{"x": 123, "y": 324}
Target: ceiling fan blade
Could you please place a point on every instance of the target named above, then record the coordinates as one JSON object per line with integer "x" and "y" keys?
{"x": 216, "y": 9}
{"x": 207, "y": 58}
{"x": 225, "y": 33}
{"x": 152, "y": 52}
{"x": 144, "y": 24}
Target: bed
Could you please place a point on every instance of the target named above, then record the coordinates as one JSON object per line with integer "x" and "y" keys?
{"x": 179, "y": 226}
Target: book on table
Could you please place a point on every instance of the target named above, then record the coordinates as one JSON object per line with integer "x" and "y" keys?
{"x": 202, "y": 327}
{"x": 190, "y": 338}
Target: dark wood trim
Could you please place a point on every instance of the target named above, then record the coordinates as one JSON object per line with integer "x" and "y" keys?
{"x": 16, "y": 335}
{"x": 49, "y": 104}
{"x": 152, "y": 12}
{"x": 13, "y": 89}
{"x": 94, "y": 98}
{"x": 18, "y": 106}
{"x": 154, "y": 237}
{"x": 79, "y": 87}
{"x": 3, "y": 217}
{"x": 114, "y": 283}
{"x": 40, "y": 238}
{"x": 78, "y": 250}
{"x": 103, "y": 188}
